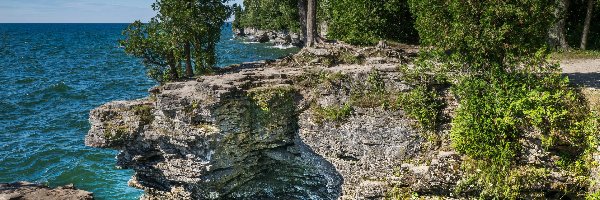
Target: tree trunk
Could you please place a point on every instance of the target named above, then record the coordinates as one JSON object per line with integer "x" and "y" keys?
{"x": 302, "y": 15}
{"x": 199, "y": 62}
{"x": 311, "y": 23}
{"x": 558, "y": 35}
{"x": 173, "y": 65}
{"x": 189, "y": 72}
{"x": 586, "y": 26}
{"x": 174, "y": 74}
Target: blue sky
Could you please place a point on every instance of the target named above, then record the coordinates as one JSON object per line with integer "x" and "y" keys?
{"x": 76, "y": 11}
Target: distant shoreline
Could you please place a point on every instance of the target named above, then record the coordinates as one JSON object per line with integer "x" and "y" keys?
{"x": 73, "y": 22}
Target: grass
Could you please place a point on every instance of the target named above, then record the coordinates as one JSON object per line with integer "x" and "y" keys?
{"x": 332, "y": 113}
{"x": 575, "y": 54}
{"x": 315, "y": 78}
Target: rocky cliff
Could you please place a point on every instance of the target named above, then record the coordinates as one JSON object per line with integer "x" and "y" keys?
{"x": 323, "y": 124}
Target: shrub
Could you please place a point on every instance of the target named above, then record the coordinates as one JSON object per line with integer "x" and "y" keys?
{"x": 145, "y": 114}
{"x": 424, "y": 105}
{"x": 493, "y": 52}
{"x": 332, "y": 113}
{"x": 373, "y": 94}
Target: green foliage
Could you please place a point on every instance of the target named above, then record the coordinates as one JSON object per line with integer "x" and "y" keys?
{"x": 272, "y": 108}
{"x": 593, "y": 196}
{"x": 496, "y": 111}
{"x": 424, "y": 105}
{"x": 397, "y": 193}
{"x": 279, "y": 15}
{"x": 266, "y": 99}
{"x": 145, "y": 113}
{"x": 493, "y": 52}
{"x": 480, "y": 35}
{"x": 366, "y": 22}
{"x": 238, "y": 12}
{"x": 332, "y": 113}
{"x": 372, "y": 94}
{"x": 349, "y": 58}
{"x": 116, "y": 135}
{"x": 376, "y": 82}
{"x": 162, "y": 42}
{"x": 150, "y": 42}
{"x": 501, "y": 183}
{"x": 575, "y": 54}
{"x": 315, "y": 78}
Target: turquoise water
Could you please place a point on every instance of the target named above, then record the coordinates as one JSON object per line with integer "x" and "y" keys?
{"x": 51, "y": 75}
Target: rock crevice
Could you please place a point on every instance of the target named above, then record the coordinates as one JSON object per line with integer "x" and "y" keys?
{"x": 312, "y": 126}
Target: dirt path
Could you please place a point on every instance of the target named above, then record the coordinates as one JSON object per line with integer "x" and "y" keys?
{"x": 584, "y": 72}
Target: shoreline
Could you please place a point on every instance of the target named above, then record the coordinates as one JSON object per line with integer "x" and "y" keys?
{"x": 278, "y": 38}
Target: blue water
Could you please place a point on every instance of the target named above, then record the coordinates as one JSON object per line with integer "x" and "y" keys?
{"x": 51, "y": 75}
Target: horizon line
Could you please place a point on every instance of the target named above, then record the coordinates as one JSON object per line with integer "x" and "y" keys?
{"x": 74, "y": 22}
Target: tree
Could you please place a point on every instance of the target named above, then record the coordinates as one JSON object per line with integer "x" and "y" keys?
{"x": 492, "y": 30}
{"x": 493, "y": 53}
{"x": 238, "y": 12}
{"x": 366, "y": 22}
{"x": 311, "y": 23}
{"x": 302, "y": 11}
{"x": 586, "y": 26}
{"x": 183, "y": 31}
{"x": 279, "y": 15}
{"x": 151, "y": 43}
{"x": 558, "y": 32}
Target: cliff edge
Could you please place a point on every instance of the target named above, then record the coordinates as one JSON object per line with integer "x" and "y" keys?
{"x": 322, "y": 124}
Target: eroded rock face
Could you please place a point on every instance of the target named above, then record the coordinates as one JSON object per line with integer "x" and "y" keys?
{"x": 32, "y": 191}
{"x": 252, "y": 132}
{"x": 201, "y": 143}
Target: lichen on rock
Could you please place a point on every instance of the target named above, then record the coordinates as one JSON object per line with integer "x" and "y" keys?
{"x": 253, "y": 131}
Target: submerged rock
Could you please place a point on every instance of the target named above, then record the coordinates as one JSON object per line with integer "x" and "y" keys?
{"x": 32, "y": 191}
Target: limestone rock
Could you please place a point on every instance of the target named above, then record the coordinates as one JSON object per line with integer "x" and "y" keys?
{"x": 253, "y": 131}
{"x": 31, "y": 191}
{"x": 284, "y": 38}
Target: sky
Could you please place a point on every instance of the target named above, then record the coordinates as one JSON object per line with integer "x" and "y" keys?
{"x": 77, "y": 11}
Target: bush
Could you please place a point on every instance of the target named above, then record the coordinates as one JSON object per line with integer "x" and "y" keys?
{"x": 373, "y": 94}
{"x": 332, "y": 113}
{"x": 424, "y": 105}
{"x": 493, "y": 52}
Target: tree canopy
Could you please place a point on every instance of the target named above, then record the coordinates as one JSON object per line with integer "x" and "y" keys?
{"x": 281, "y": 15}
{"x": 183, "y": 31}
{"x": 367, "y": 22}
{"x": 352, "y": 21}
{"x": 493, "y": 54}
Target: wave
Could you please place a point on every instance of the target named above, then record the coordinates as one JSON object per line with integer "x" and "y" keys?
{"x": 281, "y": 46}
{"x": 58, "y": 87}
{"x": 25, "y": 81}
